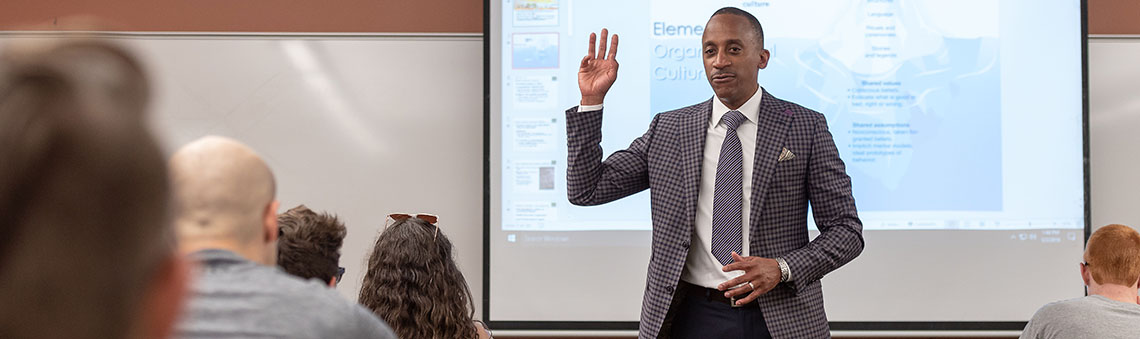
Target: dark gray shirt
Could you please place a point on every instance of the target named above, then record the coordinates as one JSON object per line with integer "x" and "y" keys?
{"x": 236, "y": 298}
{"x": 1093, "y": 316}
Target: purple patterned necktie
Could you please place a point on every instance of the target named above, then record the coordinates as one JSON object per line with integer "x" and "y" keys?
{"x": 728, "y": 194}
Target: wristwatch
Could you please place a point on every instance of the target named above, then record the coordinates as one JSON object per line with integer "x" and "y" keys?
{"x": 785, "y": 271}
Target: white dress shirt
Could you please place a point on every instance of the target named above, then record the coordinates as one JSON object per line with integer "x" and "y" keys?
{"x": 701, "y": 267}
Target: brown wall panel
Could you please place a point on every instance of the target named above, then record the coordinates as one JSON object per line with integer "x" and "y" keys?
{"x": 399, "y": 16}
{"x": 1114, "y": 16}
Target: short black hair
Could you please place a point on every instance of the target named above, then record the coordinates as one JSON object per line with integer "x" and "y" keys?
{"x": 756, "y": 27}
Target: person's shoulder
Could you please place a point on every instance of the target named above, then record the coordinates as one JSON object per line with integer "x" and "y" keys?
{"x": 1064, "y": 309}
{"x": 482, "y": 331}
{"x": 293, "y": 291}
{"x": 1051, "y": 318}
{"x": 333, "y": 310}
{"x": 1123, "y": 309}
{"x": 298, "y": 306}
{"x": 368, "y": 325}
{"x": 312, "y": 289}
{"x": 697, "y": 108}
{"x": 788, "y": 107}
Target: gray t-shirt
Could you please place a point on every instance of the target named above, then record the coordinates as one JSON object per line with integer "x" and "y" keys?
{"x": 1093, "y": 316}
{"x": 236, "y": 298}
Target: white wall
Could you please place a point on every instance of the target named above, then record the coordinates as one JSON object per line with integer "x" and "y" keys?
{"x": 1114, "y": 130}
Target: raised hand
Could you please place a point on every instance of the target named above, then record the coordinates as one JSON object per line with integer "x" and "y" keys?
{"x": 598, "y": 70}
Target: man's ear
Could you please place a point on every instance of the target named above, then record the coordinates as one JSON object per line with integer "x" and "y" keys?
{"x": 1085, "y": 274}
{"x": 269, "y": 221}
{"x": 271, "y": 233}
{"x": 764, "y": 56}
{"x": 164, "y": 297}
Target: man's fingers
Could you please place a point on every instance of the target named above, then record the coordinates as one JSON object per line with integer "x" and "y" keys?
{"x": 733, "y": 282}
{"x": 602, "y": 44}
{"x": 613, "y": 48}
{"x": 585, "y": 62}
{"x": 738, "y": 266}
{"x": 741, "y": 290}
{"x": 593, "y": 39}
{"x": 736, "y": 257}
{"x": 751, "y": 297}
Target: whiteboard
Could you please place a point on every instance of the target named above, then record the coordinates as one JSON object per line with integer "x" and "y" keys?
{"x": 359, "y": 126}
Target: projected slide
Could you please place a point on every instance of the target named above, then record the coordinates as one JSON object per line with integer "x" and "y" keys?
{"x": 913, "y": 93}
{"x": 900, "y": 94}
{"x": 960, "y": 124}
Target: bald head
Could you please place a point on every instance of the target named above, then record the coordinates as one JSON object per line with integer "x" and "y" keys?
{"x": 225, "y": 196}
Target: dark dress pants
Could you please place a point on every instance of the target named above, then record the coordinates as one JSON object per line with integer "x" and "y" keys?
{"x": 701, "y": 316}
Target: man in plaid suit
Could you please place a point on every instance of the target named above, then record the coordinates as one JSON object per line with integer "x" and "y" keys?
{"x": 730, "y": 180}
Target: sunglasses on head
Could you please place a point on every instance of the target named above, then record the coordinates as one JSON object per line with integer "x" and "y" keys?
{"x": 429, "y": 218}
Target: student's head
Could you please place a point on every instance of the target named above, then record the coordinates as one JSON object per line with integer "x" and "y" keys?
{"x": 86, "y": 248}
{"x": 1112, "y": 257}
{"x": 310, "y": 243}
{"x": 733, "y": 52}
{"x": 413, "y": 284}
{"x": 225, "y": 199}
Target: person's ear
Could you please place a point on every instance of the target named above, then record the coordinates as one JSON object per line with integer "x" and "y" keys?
{"x": 764, "y": 56}
{"x": 269, "y": 221}
{"x": 1085, "y": 274}
{"x": 163, "y": 299}
{"x": 271, "y": 233}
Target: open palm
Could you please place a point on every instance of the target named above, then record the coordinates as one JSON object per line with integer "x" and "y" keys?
{"x": 598, "y": 70}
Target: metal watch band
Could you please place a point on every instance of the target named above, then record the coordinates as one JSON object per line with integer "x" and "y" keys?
{"x": 785, "y": 271}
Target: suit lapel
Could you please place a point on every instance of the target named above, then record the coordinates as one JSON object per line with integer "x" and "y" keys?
{"x": 694, "y": 131}
{"x": 772, "y": 127}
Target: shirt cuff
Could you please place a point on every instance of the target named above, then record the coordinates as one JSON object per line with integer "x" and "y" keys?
{"x": 590, "y": 108}
{"x": 785, "y": 270}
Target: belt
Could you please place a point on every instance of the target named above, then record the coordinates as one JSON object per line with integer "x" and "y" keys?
{"x": 713, "y": 295}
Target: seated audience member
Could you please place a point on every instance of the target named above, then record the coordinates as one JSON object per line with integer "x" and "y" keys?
{"x": 413, "y": 283}
{"x": 86, "y": 248}
{"x": 1110, "y": 270}
{"x": 310, "y": 243}
{"x": 226, "y": 218}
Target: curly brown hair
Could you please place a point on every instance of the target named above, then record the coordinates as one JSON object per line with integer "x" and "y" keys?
{"x": 309, "y": 245}
{"x": 414, "y": 285}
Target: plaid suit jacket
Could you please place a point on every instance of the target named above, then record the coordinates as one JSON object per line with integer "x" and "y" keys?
{"x": 667, "y": 160}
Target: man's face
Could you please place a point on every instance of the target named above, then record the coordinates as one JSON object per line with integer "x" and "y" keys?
{"x": 733, "y": 55}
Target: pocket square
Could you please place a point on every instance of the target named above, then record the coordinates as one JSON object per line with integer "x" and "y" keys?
{"x": 785, "y": 155}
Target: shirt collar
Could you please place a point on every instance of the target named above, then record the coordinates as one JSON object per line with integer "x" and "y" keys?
{"x": 212, "y": 257}
{"x": 750, "y": 109}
